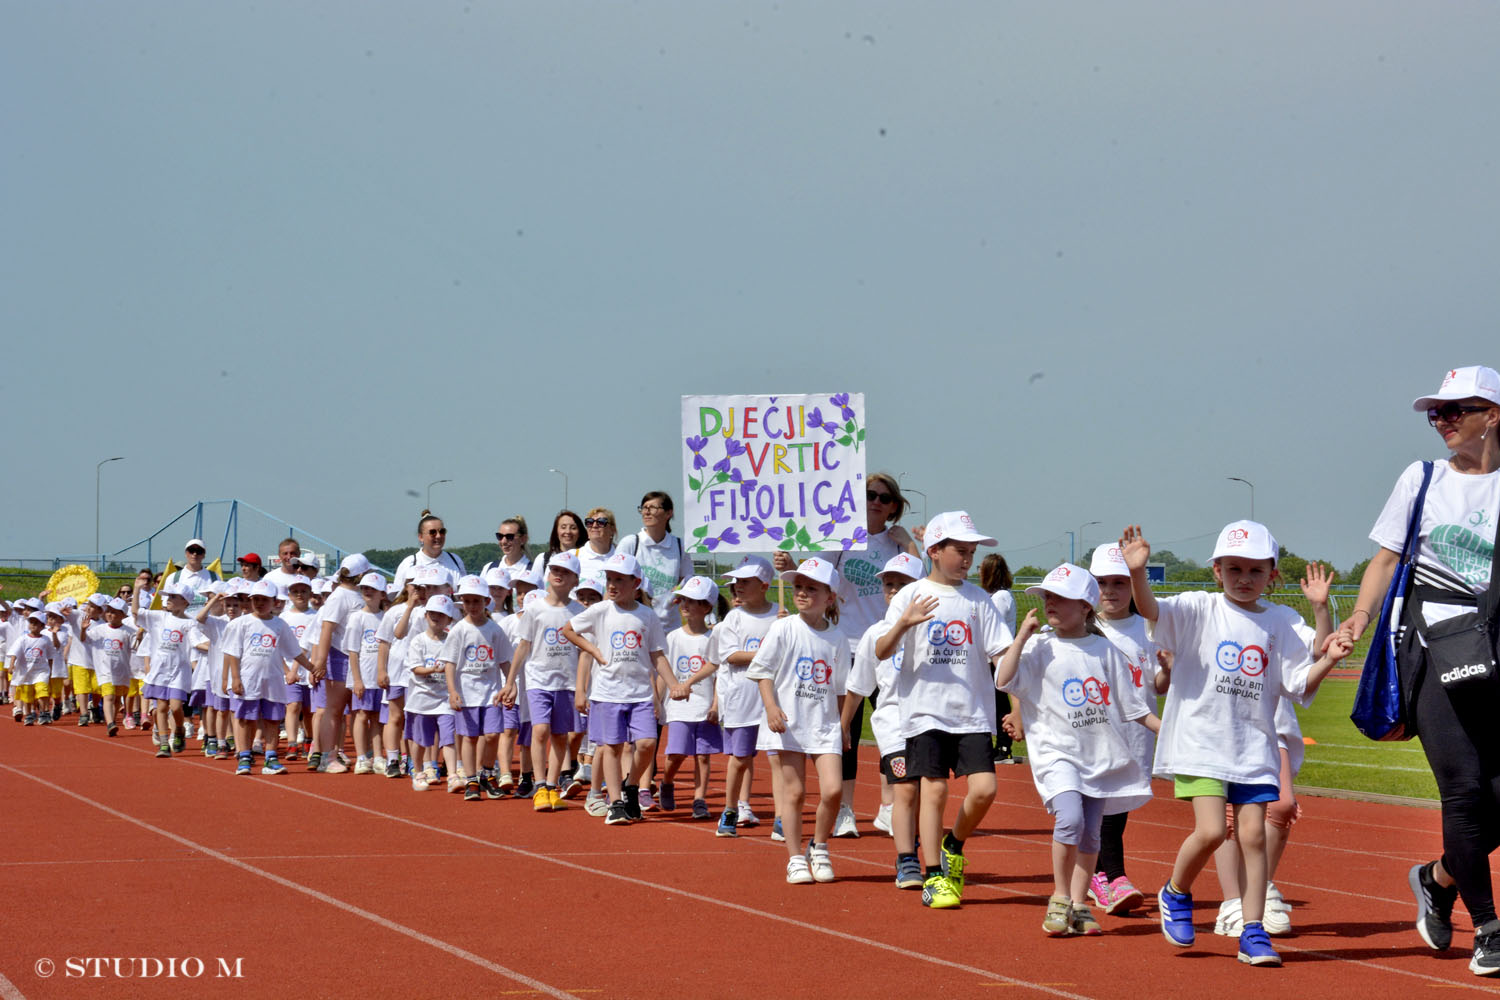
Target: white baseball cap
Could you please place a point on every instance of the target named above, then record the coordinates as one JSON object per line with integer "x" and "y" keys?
{"x": 594, "y": 583}
{"x": 904, "y": 564}
{"x": 99, "y": 600}
{"x": 263, "y": 588}
{"x": 1248, "y": 540}
{"x": 56, "y": 608}
{"x": 355, "y": 564}
{"x": 753, "y": 566}
{"x": 1474, "y": 382}
{"x": 117, "y": 604}
{"x": 567, "y": 561}
{"x": 432, "y": 575}
{"x": 441, "y": 604}
{"x": 39, "y": 616}
{"x": 817, "y": 569}
{"x": 532, "y": 576}
{"x": 956, "y": 526}
{"x": 70, "y": 602}
{"x": 623, "y": 563}
{"x": 178, "y": 589}
{"x": 473, "y": 586}
{"x": 372, "y": 580}
{"x": 497, "y": 577}
{"x": 212, "y": 587}
{"x": 532, "y": 598}
{"x": 300, "y": 581}
{"x": 194, "y": 541}
{"x": 1071, "y": 582}
{"x": 697, "y": 588}
{"x": 1108, "y": 561}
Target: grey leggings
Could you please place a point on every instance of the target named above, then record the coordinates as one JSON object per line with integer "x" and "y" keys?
{"x": 1076, "y": 819}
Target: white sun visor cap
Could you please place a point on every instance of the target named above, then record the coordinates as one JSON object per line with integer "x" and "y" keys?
{"x": 753, "y": 566}
{"x": 567, "y": 561}
{"x": 904, "y": 564}
{"x": 1474, "y": 382}
{"x": 1071, "y": 582}
{"x": 372, "y": 580}
{"x": 473, "y": 586}
{"x": 355, "y": 565}
{"x": 1248, "y": 540}
{"x": 817, "y": 569}
{"x": 623, "y": 563}
{"x": 1108, "y": 561}
{"x": 265, "y": 588}
{"x": 497, "y": 577}
{"x": 953, "y": 526}
{"x": 697, "y": 588}
{"x": 175, "y": 589}
{"x": 442, "y": 604}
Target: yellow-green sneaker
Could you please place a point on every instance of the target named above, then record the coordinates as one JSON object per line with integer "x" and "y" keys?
{"x": 1058, "y": 922}
{"x": 938, "y": 893}
{"x": 953, "y": 865}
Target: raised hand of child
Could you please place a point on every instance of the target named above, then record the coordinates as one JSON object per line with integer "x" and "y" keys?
{"x": 1134, "y": 547}
{"x": 920, "y": 610}
{"x": 1029, "y": 626}
{"x": 1315, "y": 583}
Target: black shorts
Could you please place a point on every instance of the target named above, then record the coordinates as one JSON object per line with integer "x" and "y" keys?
{"x": 893, "y": 766}
{"x": 936, "y": 754}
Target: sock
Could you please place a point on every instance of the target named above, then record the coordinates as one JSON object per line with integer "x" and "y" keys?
{"x": 1172, "y": 887}
{"x": 903, "y": 857}
{"x": 245, "y": 756}
{"x": 934, "y": 870}
{"x": 270, "y": 756}
{"x": 954, "y": 845}
{"x": 390, "y": 755}
{"x": 744, "y": 806}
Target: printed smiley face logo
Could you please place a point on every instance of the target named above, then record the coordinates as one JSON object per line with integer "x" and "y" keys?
{"x": 617, "y": 640}
{"x": 752, "y": 644}
{"x": 113, "y": 645}
{"x": 1253, "y": 661}
{"x": 368, "y": 637}
{"x": 957, "y": 633}
{"x": 1073, "y": 693}
{"x": 1096, "y": 691}
{"x": 297, "y": 630}
{"x": 937, "y": 633}
{"x": 822, "y": 673}
{"x": 1228, "y": 655}
{"x": 804, "y": 668}
{"x": 683, "y": 668}
{"x": 549, "y": 636}
{"x": 632, "y": 640}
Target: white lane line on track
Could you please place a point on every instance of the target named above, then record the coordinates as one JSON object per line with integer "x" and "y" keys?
{"x": 321, "y": 897}
{"x": 8, "y": 990}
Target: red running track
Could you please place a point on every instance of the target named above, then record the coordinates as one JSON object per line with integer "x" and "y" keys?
{"x": 343, "y": 886}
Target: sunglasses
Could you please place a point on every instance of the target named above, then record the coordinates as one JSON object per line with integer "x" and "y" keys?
{"x": 195, "y": 551}
{"x": 437, "y": 531}
{"x": 506, "y": 536}
{"x": 597, "y": 522}
{"x": 1451, "y": 413}
{"x": 872, "y": 497}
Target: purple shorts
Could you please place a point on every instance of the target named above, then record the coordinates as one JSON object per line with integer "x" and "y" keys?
{"x": 299, "y": 694}
{"x": 367, "y": 702}
{"x": 318, "y": 697}
{"x": 510, "y": 718}
{"x": 253, "y": 709}
{"x": 395, "y": 693}
{"x": 337, "y": 666}
{"x": 555, "y": 709}
{"x": 161, "y": 693}
{"x": 198, "y": 699}
{"x": 429, "y": 730}
{"x": 739, "y": 741}
{"x": 612, "y": 723}
{"x": 483, "y": 720}
{"x": 217, "y": 702}
{"x": 688, "y": 738}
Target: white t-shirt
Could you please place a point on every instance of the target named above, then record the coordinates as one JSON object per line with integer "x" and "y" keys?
{"x": 945, "y": 681}
{"x": 78, "y": 652}
{"x": 629, "y": 638}
{"x": 30, "y": 659}
{"x": 1005, "y": 606}
{"x": 426, "y": 695}
{"x": 208, "y": 669}
{"x": 1077, "y": 706}
{"x": 512, "y": 626}
{"x": 1456, "y": 539}
{"x": 521, "y": 565}
{"x": 284, "y": 579}
{"x": 481, "y": 654}
{"x": 264, "y": 648}
{"x": 109, "y": 649}
{"x": 591, "y": 563}
{"x": 60, "y": 656}
{"x": 665, "y": 564}
{"x": 552, "y": 662}
{"x": 687, "y": 654}
{"x": 196, "y": 579}
{"x": 304, "y": 625}
{"x": 739, "y": 697}
{"x": 337, "y": 607}
{"x": 1230, "y": 669}
{"x": 360, "y": 636}
{"x": 171, "y": 640}
{"x": 447, "y": 560}
{"x": 870, "y": 675}
{"x": 809, "y": 669}
{"x": 1130, "y": 637}
{"x": 861, "y": 592}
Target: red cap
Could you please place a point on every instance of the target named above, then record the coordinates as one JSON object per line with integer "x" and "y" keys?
{"x": 251, "y": 558}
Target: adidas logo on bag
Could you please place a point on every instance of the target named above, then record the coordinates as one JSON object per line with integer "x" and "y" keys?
{"x": 1464, "y": 672}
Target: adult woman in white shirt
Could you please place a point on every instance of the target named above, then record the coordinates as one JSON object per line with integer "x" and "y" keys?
{"x": 432, "y": 536}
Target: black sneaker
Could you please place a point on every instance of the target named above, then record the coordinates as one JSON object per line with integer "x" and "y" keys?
{"x": 1486, "y": 960}
{"x": 669, "y": 797}
{"x": 618, "y": 814}
{"x": 1435, "y": 909}
{"x": 571, "y": 785}
{"x": 490, "y": 787}
{"x": 471, "y": 790}
{"x": 632, "y": 802}
{"x": 392, "y": 768}
{"x": 700, "y": 809}
{"x": 526, "y": 787}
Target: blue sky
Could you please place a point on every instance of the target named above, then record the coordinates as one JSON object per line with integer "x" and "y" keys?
{"x": 316, "y": 256}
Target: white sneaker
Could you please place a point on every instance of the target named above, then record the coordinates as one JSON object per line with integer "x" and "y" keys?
{"x": 882, "y": 820}
{"x": 364, "y": 766}
{"x": 820, "y": 863}
{"x": 844, "y": 823}
{"x": 187, "y": 730}
{"x": 455, "y": 783}
{"x": 419, "y": 782}
{"x": 743, "y": 816}
{"x": 595, "y": 804}
{"x": 798, "y": 872}
{"x": 1278, "y": 918}
{"x": 1231, "y": 920}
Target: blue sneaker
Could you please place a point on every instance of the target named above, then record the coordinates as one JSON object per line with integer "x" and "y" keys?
{"x": 1255, "y": 945}
{"x": 726, "y": 825}
{"x": 776, "y": 833}
{"x": 273, "y": 765}
{"x": 1177, "y": 918}
{"x": 243, "y": 766}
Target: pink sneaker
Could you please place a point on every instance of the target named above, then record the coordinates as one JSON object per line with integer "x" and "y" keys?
{"x": 1100, "y": 891}
{"x": 1124, "y": 897}
{"x": 128, "y": 722}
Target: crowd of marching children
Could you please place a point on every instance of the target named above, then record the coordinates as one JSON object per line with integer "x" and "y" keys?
{"x": 580, "y": 658}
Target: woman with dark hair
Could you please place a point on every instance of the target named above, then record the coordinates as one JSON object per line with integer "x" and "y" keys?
{"x": 1455, "y": 548}
{"x": 432, "y": 536}
{"x": 660, "y": 554}
{"x": 513, "y": 538}
{"x": 567, "y": 534}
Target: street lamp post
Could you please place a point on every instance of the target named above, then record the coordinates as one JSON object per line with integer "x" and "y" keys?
{"x": 909, "y": 489}
{"x": 1082, "y": 547}
{"x": 435, "y": 482}
{"x": 98, "y": 472}
{"x": 565, "y": 485}
{"x": 1237, "y": 479}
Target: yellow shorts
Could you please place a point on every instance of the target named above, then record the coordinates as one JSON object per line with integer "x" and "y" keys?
{"x": 33, "y": 692}
{"x": 136, "y": 684}
{"x": 83, "y": 680}
{"x": 109, "y": 690}
{"x": 56, "y": 686}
